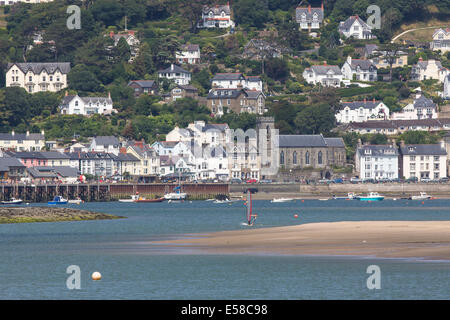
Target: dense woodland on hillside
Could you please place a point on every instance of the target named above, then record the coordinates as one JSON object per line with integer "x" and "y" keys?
{"x": 162, "y": 26}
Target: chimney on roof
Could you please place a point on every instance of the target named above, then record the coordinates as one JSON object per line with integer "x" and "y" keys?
{"x": 442, "y": 143}
{"x": 28, "y": 133}
{"x": 420, "y": 59}
{"x": 109, "y": 94}
{"x": 12, "y": 133}
{"x": 402, "y": 143}
{"x": 123, "y": 150}
{"x": 42, "y": 132}
{"x": 111, "y": 34}
{"x": 322, "y": 6}
{"x": 373, "y": 100}
{"x": 171, "y": 67}
{"x": 66, "y": 94}
{"x": 324, "y": 63}
{"x": 131, "y": 32}
{"x": 349, "y": 60}
{"x": 359, "y": 144}
{"x": 365, "y": 100}
{"x": 309, "y": 8}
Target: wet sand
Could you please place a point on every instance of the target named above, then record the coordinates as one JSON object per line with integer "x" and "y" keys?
{"x": 385, "y": 239}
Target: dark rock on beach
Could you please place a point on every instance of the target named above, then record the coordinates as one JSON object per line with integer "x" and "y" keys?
{"x": 50, "y": 214}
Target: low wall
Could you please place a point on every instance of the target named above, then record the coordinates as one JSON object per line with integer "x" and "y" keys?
{"x": 269, "y": 191}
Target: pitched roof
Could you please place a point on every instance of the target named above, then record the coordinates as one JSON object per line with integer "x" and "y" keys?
{"x": 217, "y": 9}
{"x": 423, "y": 149}
{"x": 345, "y": 25}
{"x": 7, "y": 162}
{"x": 309, "y": 13}
{"x": 289, "y": 141}
{"x": 143, "y": 83}
{"x": 325, "y": 69}
{"x": 173, "y": 68}
{"x": 221, "y": 93}
{"x": 21, "y": 136}
{"x": 38, "y": 67}
{"x": 335, "y": 142}
{"x": 380, "y": 150}
{"x": 190, "y": 47}
{"x": 106, "y": 140}
{"x": 424, "y": 102}
{"x": 368, "y": 104}
{"x": 363, "y": 64}
{"x": 228, "y": 76}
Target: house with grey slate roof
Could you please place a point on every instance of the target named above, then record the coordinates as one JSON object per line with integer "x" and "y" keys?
{"x": 189, "y": 53}
{"x": 38, "y": 76}
{"x": 86, "y": 105}
{"x": 359, "y": 70}
{"x": 22, "y": 141}
{"x": 423, "y": 161}
{"x": 149, "y": 87}
{"x": 175, "y": 73}
{"x": 11, "y": 168}
{"x": 309, "y": 18}
{"x": 377, "y": 161}
{"x": 310, "y": 151}
{"x": 360, "y": 111}
{"x": 441, "y": 40}
{"x": 105, "y": 144}
{"x": 355, "y": 27}
{"x": 421, "y": 108}
{"x": 325, "y": 75}
{"x": 431, "y": 69}
{"x": 218, "y": 16}
{"x": 238, "y": 100}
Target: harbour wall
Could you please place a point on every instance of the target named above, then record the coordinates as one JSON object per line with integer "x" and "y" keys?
{"x": 270, "y": 191}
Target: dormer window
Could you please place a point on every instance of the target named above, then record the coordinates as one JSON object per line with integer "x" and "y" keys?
{"x": 368, "y": 151}
{"x": 411, "y": 149}
{"x": 303, "y": 16}
{"x": 315, "y": 17}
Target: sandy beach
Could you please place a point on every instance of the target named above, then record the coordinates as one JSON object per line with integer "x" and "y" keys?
{"x": 385, "y": 239}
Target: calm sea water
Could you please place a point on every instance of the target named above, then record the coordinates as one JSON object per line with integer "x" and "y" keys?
{"x": 34, "y": 256}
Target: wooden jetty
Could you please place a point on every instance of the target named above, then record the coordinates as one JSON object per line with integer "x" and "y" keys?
{"x": 107, "y": 191}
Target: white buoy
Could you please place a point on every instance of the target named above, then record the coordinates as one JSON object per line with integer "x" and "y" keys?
{"x": 96, "y": 275}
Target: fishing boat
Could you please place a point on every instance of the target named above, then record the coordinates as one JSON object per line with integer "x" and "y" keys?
{"x": 282, "y": 200}
{"x": 349, "y": 196}
{"x": 133, "y": 198}
{"x": 12, "y": 201}
{"x": 251, "y": 217}
{"x": 422, "y": 196}
{"x": 58, "y": 200}
{"x": 226, "y": 201}
{"x": 371, "y": 196}
{"x": 176, "y": 195}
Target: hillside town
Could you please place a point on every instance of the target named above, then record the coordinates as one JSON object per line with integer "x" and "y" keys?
{"x": 384, "y": 106}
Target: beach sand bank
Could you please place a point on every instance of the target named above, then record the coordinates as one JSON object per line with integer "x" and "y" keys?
{"x": 384, "y": 239}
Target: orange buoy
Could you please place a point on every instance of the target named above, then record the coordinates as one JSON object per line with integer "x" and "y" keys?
{"x": 423, "y": 202}
{"x": 295, "y": 216}
{"x": 96, "y": 275}
{"x": 303, "y": 200}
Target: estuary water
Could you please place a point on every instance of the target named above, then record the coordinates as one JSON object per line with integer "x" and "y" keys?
{"x": 35, "y": 256}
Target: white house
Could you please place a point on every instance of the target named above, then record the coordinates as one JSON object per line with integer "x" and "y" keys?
{"x": 37, "y": 77}
{"x": 86, "y": 105}
{"x": 360, "y": 70}
{"x": 377, "y": 161}
{"x": 218, "y": 16}
{"x": 176, "y": 73}
{"x": 236, "y": 79}
{"x": 441, "y": 40}
{"x": 11, "y": 2}
{"x": 107, "y": 144}
{"x": 420, "y": 108}
{"x": 190, "y": 54}
{"x": 309, "y": 18}
{"x": 22, "y": 141}
{"x": 355, "y": 27}
{"x": 326, "y": 75}
{"x": 423, "y": 161}
{"x": 360, "y": 111}
{"x": 131, "y": 39}
{"x": 446, "y": 94}
{"x": 431, "y": 69}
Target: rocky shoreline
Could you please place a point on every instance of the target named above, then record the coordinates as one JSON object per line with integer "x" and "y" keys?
{"x": 49, "y": 214}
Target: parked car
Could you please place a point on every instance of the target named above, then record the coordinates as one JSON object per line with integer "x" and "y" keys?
{"x": 412, "y": 179}
{"x": 338, "y": 180}
{"x": 355, "y": 180}
{"x": 425, "y": 180}
{"x": 251, "y": 181}
{"x": 444, "y": 179}
{"x": 236, "y": 180}
{"x": 266, "y": 181}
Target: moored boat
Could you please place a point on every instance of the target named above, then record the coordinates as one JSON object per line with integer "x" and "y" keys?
{"x": 140, "y": 199}
{"x": 371, "y": 196}
{"x": 349, "y": 196}
{"x": 282, "y": 200}
{"x": 422, "y": 196}
{"x": 12, "y": 201}
{"x": 58, "y": 200}
{"x": 75, "y": 201}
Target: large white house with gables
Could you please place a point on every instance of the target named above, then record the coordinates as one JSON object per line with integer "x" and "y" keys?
{"x": 86, "y": 105}
{"x": 359, "y": 70}
{"x": 218, "y": 16}
{"x": 355, "y": 27}
{"x": 360, "y": 111}
{"x": 326, "y": 75}
{"x": 441, "y": 40}
{"x": 309, "y": 18}
{"x": 37, "y": 76}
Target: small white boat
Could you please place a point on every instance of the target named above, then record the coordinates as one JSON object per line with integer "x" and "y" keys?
{"x": 132, "y": 199}
{"x": 282, "y": 200}
{"x": 75, "y": 201}
{"x": 422, "y": 196}
{"x": 175, "y": 196}
{"x": 226, "y": 201}
{"x": 349, "y": 196}
{"x": 13, "y": 201}
{"x": 323, "y": 199}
